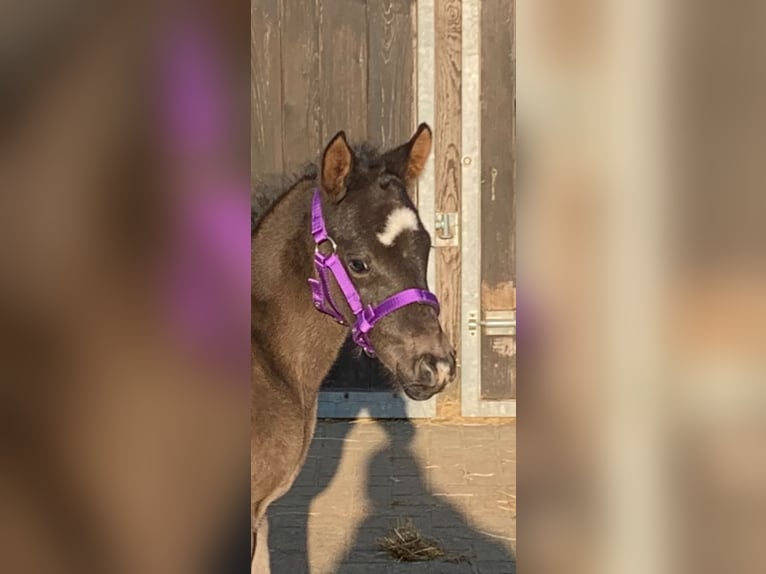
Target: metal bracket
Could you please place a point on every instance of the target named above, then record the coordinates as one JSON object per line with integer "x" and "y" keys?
{"x": 446, "y": 229}
{"x": 494, "y": 323}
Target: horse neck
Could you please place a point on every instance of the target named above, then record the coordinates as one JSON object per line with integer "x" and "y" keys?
{"x": 282, "y": 244}
{"x": 302, "y": 342}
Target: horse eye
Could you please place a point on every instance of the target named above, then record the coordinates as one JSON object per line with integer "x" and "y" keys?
{"x": 358, "y": 266}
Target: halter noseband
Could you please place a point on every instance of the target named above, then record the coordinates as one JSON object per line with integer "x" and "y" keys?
{"x": 366, "y": 316}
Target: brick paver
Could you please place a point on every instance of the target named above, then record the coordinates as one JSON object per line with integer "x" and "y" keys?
{"x": 457, "y": 483}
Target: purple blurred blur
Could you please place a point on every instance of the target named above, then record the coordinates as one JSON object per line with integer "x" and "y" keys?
{"x": 209, "y": 261}
{"x": 124, "y": 297}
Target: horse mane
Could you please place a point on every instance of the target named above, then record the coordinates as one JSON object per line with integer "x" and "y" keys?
{"x": 267, "y": 190}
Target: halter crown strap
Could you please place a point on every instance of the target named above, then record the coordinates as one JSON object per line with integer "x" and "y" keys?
{"x": 318, "y": 229}
{"x": 326, "y": 265}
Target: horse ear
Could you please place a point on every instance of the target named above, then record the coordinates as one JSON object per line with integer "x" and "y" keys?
{"x": 336, "y": 165}
{"x": 408, "y": 160}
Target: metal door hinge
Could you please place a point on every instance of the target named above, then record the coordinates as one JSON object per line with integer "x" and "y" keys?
{"x": 446, "y": 229}
{"x": 494, "y": 322}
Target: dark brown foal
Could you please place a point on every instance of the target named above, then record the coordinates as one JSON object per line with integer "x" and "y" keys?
{"x": 383, "y": 248}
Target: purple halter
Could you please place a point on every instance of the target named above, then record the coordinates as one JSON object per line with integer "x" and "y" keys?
{"x": 366, "y": 316}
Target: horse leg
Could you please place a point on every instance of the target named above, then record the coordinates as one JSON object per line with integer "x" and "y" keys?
{"x": 261, "y": 563}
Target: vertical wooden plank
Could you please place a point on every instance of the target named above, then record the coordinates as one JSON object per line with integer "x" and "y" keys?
{"x": 266, "y": 90}
{"x": 343, "y": 71}
{"x": 390, "y": 89}
{"x": 343, "y": 67}
{"x": 266, "y": 95}
{"x": 447, "y": 149}
{"x": 424, "y": 17}
{"x": 300, "y": 83}
{"x": 498, "y": 199}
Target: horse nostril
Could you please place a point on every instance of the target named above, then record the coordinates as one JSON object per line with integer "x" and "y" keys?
{"x": 437, "y": 371}
{"x": 426, "y": 364}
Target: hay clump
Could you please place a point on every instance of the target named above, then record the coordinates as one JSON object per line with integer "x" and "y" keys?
{"x": 405, "y": 543}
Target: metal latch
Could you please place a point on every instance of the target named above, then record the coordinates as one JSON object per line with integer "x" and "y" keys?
{"x": 446, "y": 227}
{"x": 494, "y": 322}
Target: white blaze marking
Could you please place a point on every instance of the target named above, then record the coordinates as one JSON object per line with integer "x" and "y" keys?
{"x": 399, "y": 220}
{"x": 442, "y": 371}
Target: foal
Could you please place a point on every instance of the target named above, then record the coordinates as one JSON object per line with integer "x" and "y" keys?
{"x": 355, "y": 234}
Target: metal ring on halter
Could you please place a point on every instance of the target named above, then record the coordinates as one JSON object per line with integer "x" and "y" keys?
{"x": 332, "y": 244}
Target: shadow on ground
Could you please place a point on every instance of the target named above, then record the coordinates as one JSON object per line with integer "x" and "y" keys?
{"x": 395, "y": 488}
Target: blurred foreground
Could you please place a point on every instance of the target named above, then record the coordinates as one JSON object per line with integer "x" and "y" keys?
{"x": 124, "y": 292}
{"x": 642, "y": 401}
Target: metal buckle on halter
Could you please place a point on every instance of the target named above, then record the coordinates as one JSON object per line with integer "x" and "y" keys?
{"x": 363, "y": 340}
{"x": 333, "y": 246}
{"x": 321, "y": 296}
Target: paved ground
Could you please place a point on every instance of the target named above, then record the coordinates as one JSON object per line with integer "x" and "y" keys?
{"x": 456, "y": 483}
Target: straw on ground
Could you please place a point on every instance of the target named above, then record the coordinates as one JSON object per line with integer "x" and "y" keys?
{"x": 405, "y": 543}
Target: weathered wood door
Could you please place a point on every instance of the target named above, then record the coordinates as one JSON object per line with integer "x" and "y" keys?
{"x": 488, "y": 208}
{"x": 376, "y": 68}
{"x": 320, "y": 67}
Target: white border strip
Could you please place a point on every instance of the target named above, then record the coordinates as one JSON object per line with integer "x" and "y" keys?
{"x": 470, "y": 281}
{"x": 426, "y": 59}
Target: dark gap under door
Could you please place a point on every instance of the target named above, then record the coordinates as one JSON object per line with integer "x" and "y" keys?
{"x": 355, "y": 371}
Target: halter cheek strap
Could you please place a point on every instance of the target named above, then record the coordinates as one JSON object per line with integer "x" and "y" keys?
{"x": 365, "y": 316}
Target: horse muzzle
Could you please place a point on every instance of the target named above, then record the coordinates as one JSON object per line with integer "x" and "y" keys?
{"x": 432, "y": 374}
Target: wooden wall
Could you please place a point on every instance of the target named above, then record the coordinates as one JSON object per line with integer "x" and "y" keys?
{"x": 498, "y": 197}
{"x": 320, "y": 66}
{"x": 447, "y": 134}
